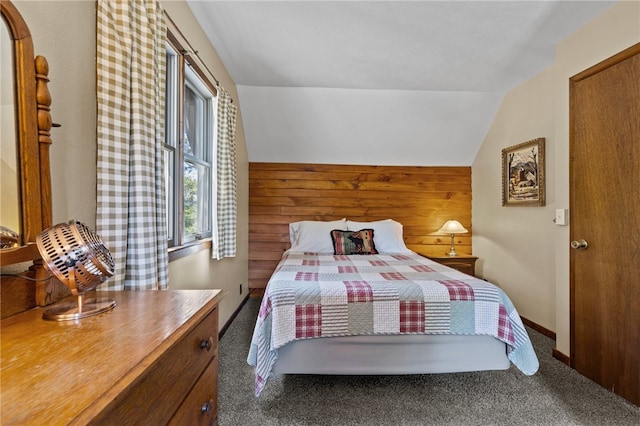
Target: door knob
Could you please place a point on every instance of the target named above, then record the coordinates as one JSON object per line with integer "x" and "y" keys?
{"x": 579, "y": 244}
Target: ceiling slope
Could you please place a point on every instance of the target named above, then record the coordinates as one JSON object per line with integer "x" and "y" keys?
{"x": 467, "y": 49}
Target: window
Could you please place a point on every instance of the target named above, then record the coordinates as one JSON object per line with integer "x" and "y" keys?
{"x": 188, "y": 148}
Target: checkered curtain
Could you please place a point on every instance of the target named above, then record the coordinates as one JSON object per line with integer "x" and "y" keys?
{"x": 131, "y": 204}
{"x": 224, "y": 228}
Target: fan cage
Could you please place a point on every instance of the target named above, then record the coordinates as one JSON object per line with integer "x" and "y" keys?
{"x": 75, "y": 254}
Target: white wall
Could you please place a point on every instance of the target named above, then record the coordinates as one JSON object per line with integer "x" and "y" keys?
{"x": 351, "y": 126}
{"x": 64, "y": 32}
{"x": 521, "y": 249}
{"x": 509, "y": 241}
{"x": 199, "y": 270}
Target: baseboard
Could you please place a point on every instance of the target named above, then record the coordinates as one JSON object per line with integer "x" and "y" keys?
{"x": 232, "y": 317}
{"x": 540, "y": 329}
{"x": 550, "y": 334}
{"x": 561, "y": 357}
{"x": 256, "y": 292}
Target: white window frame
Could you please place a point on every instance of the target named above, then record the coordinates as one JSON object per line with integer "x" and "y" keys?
{"x": 182, "y": 72}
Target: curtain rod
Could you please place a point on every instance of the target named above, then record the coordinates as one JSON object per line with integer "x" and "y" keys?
{"x": 191, "y": 50}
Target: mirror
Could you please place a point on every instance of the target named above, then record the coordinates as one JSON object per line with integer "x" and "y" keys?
{"x": 27, "y": 153}
{"x": 9, "y": 182}
{"x": 28, "y": 139}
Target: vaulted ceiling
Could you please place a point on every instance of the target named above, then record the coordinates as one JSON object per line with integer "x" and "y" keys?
{"x": 484, "y": 47}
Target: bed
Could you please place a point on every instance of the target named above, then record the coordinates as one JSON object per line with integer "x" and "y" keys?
{"x": 350, "y": 298}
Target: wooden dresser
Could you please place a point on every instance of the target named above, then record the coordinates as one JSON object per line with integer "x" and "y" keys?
{"x": 150, "y": 361}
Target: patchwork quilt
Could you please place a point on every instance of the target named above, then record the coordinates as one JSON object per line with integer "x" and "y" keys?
{"x": 319, "y": 295}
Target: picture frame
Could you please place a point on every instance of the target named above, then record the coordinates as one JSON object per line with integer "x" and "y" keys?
{"x": 523, "y": 174}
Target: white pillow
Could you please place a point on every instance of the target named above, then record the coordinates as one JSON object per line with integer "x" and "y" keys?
{"x": 314, "y": 236}
{"x": 387, "y": 235}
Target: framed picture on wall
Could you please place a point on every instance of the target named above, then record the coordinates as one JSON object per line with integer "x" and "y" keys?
{"x": 523, "y": 174}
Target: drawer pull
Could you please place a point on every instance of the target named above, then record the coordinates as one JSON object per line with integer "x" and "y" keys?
{"x": 207, "y": 407}
{"x": 206, "y": 343}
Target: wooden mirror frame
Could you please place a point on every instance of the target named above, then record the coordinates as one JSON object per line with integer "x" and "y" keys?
{"x": 33, "y": 125}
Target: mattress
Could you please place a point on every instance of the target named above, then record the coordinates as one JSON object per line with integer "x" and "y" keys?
{"x": 392, "y": 354}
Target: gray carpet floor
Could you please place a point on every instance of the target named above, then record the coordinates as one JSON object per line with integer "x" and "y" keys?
{"x": 555, "y": 395}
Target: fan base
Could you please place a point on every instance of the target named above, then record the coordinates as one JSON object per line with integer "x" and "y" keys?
{"x": 73, "y": 311}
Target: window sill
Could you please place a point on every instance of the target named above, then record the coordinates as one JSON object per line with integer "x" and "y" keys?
{"x": 179, "y": 252}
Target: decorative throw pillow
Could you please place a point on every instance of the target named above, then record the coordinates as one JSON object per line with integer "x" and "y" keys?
{"x": 388, "y": 234}
{"x": 353, "y": 242}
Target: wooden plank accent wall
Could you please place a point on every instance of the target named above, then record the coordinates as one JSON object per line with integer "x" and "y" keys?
{"x": 421, "y": 198}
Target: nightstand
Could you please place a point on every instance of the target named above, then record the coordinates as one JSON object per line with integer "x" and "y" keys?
{"x": 462, "y": 262}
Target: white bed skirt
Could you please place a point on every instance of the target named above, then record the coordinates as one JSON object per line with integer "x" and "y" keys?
{"x": 392, "y": 354}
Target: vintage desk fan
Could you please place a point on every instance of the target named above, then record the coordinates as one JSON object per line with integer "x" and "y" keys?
{"x": 76, "y": 255}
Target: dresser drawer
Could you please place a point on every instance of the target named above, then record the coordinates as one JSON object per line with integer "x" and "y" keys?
{"x": 201, "y": 405}
{"x": 464, "y": 263}
{"x": 463, "y": 267}
{"x": 160, "y": 391}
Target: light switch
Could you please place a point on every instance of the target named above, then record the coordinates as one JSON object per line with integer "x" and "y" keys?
{"x": 562, "y": 217}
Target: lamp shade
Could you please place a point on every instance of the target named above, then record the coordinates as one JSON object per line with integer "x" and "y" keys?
{"x": 453, "y": 227}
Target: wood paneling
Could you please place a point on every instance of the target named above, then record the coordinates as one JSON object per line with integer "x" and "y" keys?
{"x": 421, "y": 198}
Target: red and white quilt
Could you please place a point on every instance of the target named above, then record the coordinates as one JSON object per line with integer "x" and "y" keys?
{"x": 320, "y": 295}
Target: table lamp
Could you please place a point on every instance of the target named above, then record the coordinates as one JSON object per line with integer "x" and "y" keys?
{"x": 452, "y": 227}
